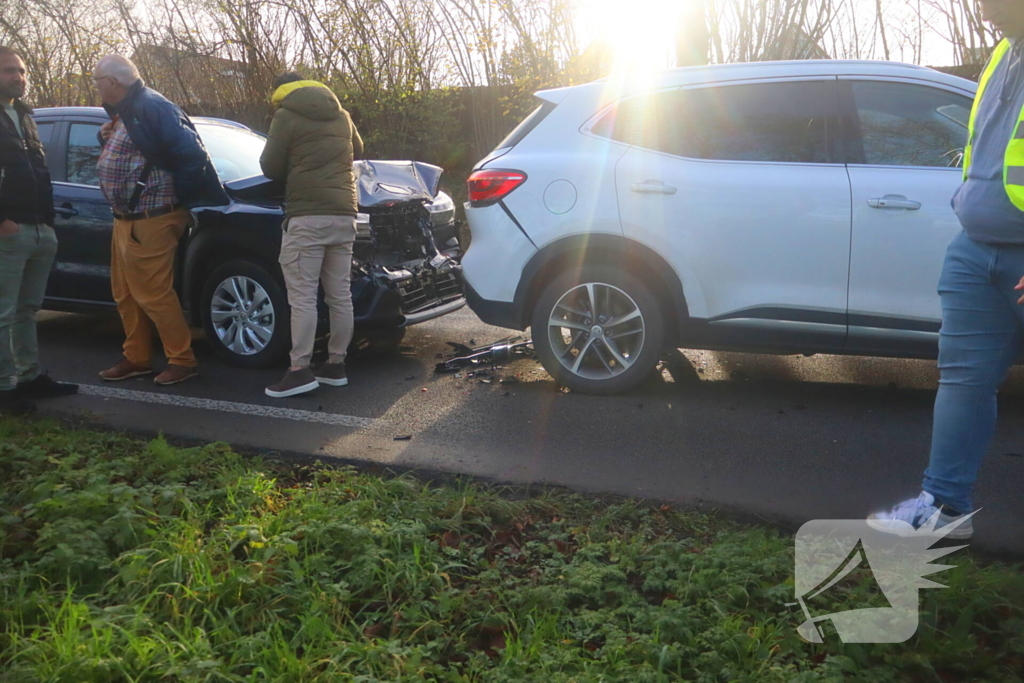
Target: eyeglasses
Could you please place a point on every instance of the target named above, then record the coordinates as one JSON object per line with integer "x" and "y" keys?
{"x": 97, "y": 79}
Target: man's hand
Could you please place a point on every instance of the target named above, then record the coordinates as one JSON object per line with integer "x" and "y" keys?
{"x": 1020, "y": 286}
{"x": 9, "y": 227}
{"x": 106, "y": 129}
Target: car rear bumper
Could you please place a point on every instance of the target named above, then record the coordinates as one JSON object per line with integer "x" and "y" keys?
{"x": 498, "y": 313}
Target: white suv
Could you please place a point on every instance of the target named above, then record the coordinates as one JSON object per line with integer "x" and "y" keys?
{"x": 779, "y": 207}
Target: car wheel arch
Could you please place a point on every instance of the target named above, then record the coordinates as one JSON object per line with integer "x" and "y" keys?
{"x": 248, "y": 278}
{"x": 209, "y": 249}
{"x": 591, "y": 249}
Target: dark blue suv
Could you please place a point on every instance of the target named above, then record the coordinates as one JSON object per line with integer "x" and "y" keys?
{"x": 405, "y": 267}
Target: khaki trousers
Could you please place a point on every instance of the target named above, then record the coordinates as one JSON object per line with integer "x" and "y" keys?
{"x": 142, "y": 280}
{"x": 314, "y": 250}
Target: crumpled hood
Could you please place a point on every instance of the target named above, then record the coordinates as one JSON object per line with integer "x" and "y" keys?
{"x": 309, "y": 99}
{"x": 382, "y": 183}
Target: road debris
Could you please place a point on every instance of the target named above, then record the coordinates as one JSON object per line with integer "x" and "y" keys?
{"x": 494, "y": 354}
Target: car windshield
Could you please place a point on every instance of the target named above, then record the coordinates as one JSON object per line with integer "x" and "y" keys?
{"x": 235, "y": 151}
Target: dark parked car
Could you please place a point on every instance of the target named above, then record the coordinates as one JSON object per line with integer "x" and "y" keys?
{"x": 405, "y": 268}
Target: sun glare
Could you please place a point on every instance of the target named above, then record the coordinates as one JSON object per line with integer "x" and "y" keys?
{"x": 639, "y": 34}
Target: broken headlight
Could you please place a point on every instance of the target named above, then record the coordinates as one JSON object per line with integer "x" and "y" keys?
{"x": 442, "y": 210}
{"x": 363, "y": 226}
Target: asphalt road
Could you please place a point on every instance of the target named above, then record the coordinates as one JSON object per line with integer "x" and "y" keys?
{"x": 784, "y": 438}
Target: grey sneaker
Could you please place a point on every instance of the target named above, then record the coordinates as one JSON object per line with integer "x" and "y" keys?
{"x": 332, "y": 374}
{"x": 921, "y": 513}
{"x": 293, "y": 383}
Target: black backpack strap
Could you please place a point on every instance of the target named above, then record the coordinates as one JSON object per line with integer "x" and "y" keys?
{"x": 140, "y": 186}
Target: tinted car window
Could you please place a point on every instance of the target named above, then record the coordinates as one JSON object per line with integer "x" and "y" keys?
{"x": 910, "y": 125}
{"x": 83, "y": 153}
{"x": 646, "y": 121}
{"x": 45, "y": 132}
{"x": 526, "y": 126}
{"x": 768, "y": 122}
{"x": 235, "y": 151}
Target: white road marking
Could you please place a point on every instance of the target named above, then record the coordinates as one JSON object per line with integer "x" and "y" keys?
{"x": 231, "y": 407}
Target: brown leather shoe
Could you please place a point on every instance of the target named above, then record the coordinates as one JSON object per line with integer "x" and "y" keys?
{"x": 124, "y": 370}
{"x": 175, "y": 374}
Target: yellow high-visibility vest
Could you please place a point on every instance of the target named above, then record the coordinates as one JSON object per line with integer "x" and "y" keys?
{"x": 1013, "y": 159}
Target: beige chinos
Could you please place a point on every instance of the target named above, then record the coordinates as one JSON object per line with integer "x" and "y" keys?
{"x": 315, "y": 250}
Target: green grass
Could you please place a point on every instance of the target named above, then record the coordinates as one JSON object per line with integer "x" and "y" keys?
{"x": 122, "y": 560}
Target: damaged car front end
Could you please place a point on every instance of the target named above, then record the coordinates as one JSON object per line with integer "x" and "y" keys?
{"x": 405, "y": 268}
{"x": 406, "y": 243}
{"x": 405, "y": 259}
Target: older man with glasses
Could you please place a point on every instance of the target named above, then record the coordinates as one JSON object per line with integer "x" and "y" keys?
{"x": 153, "y": 169}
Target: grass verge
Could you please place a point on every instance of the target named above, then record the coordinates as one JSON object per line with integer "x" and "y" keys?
{"x": 122, "y": 560}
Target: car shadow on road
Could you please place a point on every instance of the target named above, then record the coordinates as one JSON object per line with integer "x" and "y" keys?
{"x": 790, "y": 384}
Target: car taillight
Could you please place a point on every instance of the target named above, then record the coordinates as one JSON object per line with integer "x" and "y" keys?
{"x": 489, "y": 187}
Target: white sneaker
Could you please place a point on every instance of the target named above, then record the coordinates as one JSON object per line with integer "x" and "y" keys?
{"x": 922, "y": 513}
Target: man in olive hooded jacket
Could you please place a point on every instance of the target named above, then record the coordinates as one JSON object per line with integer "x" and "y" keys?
{"x": 311, "y": 146}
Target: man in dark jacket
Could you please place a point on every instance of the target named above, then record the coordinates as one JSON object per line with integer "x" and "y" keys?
{"x": 311, "y": 145}
{"x": 27, "y": 244}
{"x": 153, "y": 170}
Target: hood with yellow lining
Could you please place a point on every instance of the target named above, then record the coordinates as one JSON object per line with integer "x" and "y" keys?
{"x": 309, "y": 99}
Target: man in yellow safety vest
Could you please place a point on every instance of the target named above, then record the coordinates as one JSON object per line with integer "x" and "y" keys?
{"x": 982, "y": 331}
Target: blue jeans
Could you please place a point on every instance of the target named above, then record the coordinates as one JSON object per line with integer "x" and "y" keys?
{"x": 982, "y": 336}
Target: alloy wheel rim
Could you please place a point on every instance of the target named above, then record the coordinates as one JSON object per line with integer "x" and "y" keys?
{"x": 596, "y": 331}
{"x": 242, "y": 315}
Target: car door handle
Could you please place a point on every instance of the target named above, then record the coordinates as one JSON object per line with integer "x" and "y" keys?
{"x": 894, "y": 201}
{"x": 653, "y": 187}
{"x": 66, "y": 210}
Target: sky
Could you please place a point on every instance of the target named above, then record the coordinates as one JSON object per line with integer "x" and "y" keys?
{"x": 642, "y": 32}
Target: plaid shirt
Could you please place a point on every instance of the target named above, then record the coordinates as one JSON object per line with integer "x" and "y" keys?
{"x": 119, "y": 167}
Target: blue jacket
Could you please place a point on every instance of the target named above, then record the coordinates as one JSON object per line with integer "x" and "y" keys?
{"x": 167, "y": 138}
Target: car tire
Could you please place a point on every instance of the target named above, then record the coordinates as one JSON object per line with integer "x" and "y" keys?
{"x": 614, "y": 358}
{"x": 245, "y": 314}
